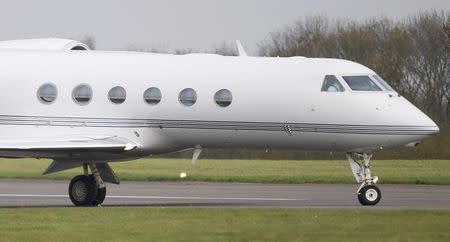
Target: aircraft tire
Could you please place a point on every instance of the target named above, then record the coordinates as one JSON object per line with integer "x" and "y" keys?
{"x": 101, "y": 193}
{"x": 361, "y": 199}
{"x": 82, "y": 190}
{"x": 369, "y": 195}
{"x": 100, "y": 198}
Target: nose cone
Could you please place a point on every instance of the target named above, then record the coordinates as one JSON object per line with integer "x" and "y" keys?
{"x": 417, "y": 121}
{"x": 435, "y": 128}
{"x": 424, "y": 124}
{"x": 428, "y": 123}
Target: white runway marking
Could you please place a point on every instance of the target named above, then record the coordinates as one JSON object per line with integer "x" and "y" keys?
{"x": 163, "y": 197}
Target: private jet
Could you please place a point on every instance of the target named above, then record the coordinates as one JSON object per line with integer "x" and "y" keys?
{"x": 84, "y": 108}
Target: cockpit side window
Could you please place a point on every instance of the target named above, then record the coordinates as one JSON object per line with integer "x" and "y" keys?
{"x": 383, "y": 83}
{"x": 332, "y": 84}
{"x": 361, "y": 83}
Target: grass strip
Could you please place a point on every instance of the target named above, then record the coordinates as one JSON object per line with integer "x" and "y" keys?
{"x": 254, "y": 171}
{"x": 162, "y": 224}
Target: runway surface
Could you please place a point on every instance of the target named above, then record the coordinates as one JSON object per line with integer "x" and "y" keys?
{"x": 44, "y": 193}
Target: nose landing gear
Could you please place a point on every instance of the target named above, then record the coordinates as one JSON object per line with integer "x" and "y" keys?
{"x": 368, "y": 193}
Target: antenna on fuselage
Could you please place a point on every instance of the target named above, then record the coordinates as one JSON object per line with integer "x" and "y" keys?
{"x": 241, "y": 49}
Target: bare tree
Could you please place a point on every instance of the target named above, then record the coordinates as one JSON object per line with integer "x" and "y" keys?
{"x": 226, "y": 49}
{"x": 430, "y": 61}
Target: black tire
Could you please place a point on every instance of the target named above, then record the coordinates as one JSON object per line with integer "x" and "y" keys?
{"x": 369, "y": 195}
{"x": 82, "y": 190}
{"x": 361, "y": 199}
{"x": 101, "y": 194}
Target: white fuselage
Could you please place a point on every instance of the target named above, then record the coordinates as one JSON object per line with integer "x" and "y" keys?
{"x": 277, "y": 103}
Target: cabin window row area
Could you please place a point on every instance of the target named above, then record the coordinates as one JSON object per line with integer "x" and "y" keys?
{"x": 82, "y": 95}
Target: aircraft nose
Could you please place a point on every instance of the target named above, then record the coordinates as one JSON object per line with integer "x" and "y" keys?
{"x": 429, "y": 126}
{"x": 435, "y": 128}
{"x": 421, "y": 123}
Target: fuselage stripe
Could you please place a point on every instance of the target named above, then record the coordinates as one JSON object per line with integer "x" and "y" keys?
{"x": 217, "y": 125}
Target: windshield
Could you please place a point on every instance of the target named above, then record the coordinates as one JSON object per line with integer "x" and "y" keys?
{"x": 332, "y": 84}
{"x": 383, "y": 83}
{"x": 361, "y": 83}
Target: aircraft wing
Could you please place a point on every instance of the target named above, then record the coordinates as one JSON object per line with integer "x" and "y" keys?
{"x": 83, "y": 143}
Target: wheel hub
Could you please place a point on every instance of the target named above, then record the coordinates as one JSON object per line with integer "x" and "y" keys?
{"x": 79, "y": 191}
{"x": 371, "y": 195}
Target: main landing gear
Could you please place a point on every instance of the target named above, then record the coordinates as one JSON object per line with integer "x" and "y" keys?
{"x": 368, "y": 193}
{"x": 89, "y": 190}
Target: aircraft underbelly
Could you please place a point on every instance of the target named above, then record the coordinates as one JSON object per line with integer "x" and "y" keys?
{"x": 281, "y": 140}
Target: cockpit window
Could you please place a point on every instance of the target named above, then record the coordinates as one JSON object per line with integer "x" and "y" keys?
{"x": 332, "y": 84}
{"x": 361, "y": 83}
{"x": 383, "y": 83}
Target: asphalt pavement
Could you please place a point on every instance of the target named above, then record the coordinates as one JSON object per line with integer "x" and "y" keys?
{"x": 49, "y": 193}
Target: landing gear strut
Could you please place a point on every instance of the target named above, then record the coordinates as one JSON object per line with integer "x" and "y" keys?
{"x": 368, "y": 193}
{"x": 87, "y": 190}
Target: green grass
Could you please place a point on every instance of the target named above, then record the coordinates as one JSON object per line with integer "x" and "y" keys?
{"x": 258, "y": 171}
{"x": 141, "y": 224}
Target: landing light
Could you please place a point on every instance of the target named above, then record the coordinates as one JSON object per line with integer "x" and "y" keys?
{"x": 129, "y": 147}
{"x": 413, "y": 144}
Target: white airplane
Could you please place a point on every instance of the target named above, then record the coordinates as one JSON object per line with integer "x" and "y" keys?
{"x": 87, "y": 108}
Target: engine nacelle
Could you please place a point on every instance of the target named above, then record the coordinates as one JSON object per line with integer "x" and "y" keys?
{"x": 43, "y": 44}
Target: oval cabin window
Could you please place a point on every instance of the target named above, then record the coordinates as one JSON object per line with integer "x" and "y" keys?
{"x": 82, "y": 94}
{"x": 117, "y": 95}
{"x": 223, "y": 98}
{"x": 152, "y": 96}
{"x": 188, "y": 97}
{"x": 47, "y": 93}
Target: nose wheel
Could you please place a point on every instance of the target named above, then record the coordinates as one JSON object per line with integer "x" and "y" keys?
{"x": 368, "y": 193}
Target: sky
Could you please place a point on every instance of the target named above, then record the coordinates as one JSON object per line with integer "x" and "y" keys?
{"x": 178, "y": 24}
